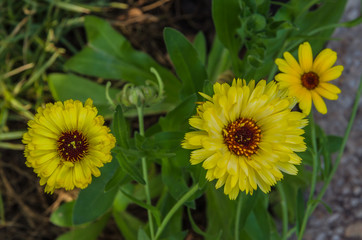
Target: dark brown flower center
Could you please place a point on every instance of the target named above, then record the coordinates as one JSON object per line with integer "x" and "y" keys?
{"x": 310, "y": 80}
{"x": 242, "y": 137}
{"x": 72, "y": 146}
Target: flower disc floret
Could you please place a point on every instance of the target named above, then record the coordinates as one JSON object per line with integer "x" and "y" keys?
{"x": 308, "y": 80}
{"x": 246, "y": 136}
{"x": 66, "y": 144}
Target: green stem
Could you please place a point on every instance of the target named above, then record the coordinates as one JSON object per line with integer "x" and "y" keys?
{"x": 145, "y": 173}
{"x": 284, "y": 206}
{"x": 315, "y": 156}
{"x": 175, "y": 208}
{"x": 311, "y": 208}
{"x": 237, "y": 220}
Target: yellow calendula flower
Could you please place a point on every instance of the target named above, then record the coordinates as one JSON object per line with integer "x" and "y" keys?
{"x": 66, "y": 144}
{"x": 246, "y": 136}
{"x": 308, "y": 80}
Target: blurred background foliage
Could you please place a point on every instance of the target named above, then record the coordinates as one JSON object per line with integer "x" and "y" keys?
{"x": 56, "y": 50}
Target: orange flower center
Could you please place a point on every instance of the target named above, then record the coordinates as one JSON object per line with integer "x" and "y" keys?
{"x": 242, "y": 137}
{"x": 72, "y": 146}
{"x": 310, "y": 80}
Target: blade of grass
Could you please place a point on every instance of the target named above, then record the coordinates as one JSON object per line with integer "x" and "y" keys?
{"x": 11, "y": 135}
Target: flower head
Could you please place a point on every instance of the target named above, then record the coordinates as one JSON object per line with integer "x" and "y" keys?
{"x": 308, "y": 80}
{"x": 246, "y": 136}
{"x": 66, "y": 144}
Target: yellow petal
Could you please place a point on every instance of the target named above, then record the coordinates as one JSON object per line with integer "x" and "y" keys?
{"x": 331, "y": 74}
{"x": 305, "y": 57}
{"x": 330, "y": 87}
{"x": 319, "y": 103}
{"x": 285, "y": 67}
{"x": 324, "y": 61}
{"x": 292, "y": 62}
{"x": 326, "y": 94}
{"x": 283, "y": 77}
{"x": 305, "y": 102}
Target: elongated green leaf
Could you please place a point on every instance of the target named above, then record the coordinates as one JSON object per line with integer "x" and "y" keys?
{"x": 186, "y": 60}
{"x": 127, "y": 166}
{"x": 142, "y": 235}
{"x": 120, "y": 128}
{"x": 164, "y": 140}
{"x": 220, "y": 212}
{"x": 109, "y": 55}
{"x": 225, "y": 14}
{"x": 87, "y": 232}
{"x": 173, "y": 230}
{"x": 176, "y": 119}
{"x": 93, "y": 201}
{"x": 248, "y": 204}
{"x": 200, "y": 46}
{"x": 155, "y": 212}
{"x": 127, "y": 224}
{"x": 218, "y": 60}
{"x": 63, "y": 215}
{"x": 300, "y": 211}
{"x": 333, "y": 143}
{"x": 262, "y": 217}
{"x": 174, "y": 179}
{"x": 119, "y": 177}
{"x": 69, "y": 86}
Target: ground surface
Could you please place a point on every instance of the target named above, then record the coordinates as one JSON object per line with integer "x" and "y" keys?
{"x": 27, "y": 208}
{"x": 344, "y": 195}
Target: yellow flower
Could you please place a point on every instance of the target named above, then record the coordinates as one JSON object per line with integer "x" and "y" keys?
{"x": 246, "y": 136}
{"x": 308, "y": 80}
{"x": 66, "y": 143}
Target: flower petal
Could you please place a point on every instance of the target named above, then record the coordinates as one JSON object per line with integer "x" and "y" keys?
{"x": 326, "y": 94}
{"x": 330, "y": 87}
{"x": 324, "y": 61}
{"x": 319, "y": 103}
{"x": 305, "y": 57}
{"x": 331, "y": 74}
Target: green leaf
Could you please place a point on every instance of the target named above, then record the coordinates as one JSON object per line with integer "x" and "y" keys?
{"x": 69, "y": 86}
{"x": 127, "y": 166}
{"x": 164, "y": 141}
{"x": 63, "y": 215}
{"x": 200, "y": 46}
{"x": 225, "y": 14}
{"x": 177, "y": 119}
{"x": 333, "y": 143}
{"x": 127, "y": 224}
{"x": 220, "y": 213}
{"x": 94, "y": 197}
{"x": 186, "y": 60}
{"x": 155, "y": 212}
{"x": 87, "y": 232}
{"x": 142, "y": 235}
{"x": 109, "y": 55}
{"x": 173, "y": 230}
{"x": 198, "y": 230}
{"x": 218, "y": 61}
{"x": 247, "y": 205}
{"x": 300, "y": 211}
{"x": 118, "y": 178}
{"x": 262, "y": 217}
{"x": 174, "y": 179}
{"x": 120, "y": 127}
